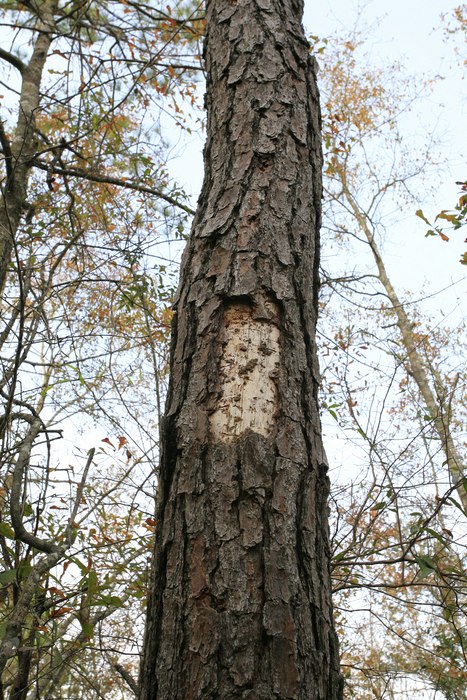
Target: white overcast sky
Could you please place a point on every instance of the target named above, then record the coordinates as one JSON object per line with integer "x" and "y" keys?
{"x": 411, "y": 31}
{"x": 408, "y": 31}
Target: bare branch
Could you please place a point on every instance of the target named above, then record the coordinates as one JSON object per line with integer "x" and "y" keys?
{"x": 79, "y": 494}
{"x": 127, "y": 677}
{"x": 22, "y": 461}
{"x": 6, "y": 146}
{"x": 13, "y": 60}
{"x": 110, "y": 180}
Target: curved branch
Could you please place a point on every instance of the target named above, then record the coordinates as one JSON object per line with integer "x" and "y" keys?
{"x": 16, "y": 513}
{"x": 110, "y": 180}
{"x": 13, "y": 60}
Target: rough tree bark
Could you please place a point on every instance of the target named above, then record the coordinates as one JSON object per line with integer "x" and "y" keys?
{"x": 240, "y": 606}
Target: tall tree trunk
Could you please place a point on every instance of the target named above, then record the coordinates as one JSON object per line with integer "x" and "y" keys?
{"x": 19, "y": 153}
{"x": 240, "y": 604}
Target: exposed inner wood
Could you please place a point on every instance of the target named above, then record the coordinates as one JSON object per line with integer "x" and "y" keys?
{"x": 248, "y": 366}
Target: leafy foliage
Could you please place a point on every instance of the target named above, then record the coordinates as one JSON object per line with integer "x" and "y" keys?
{"x": 90, "y": 219}
{"x": 455, "y": 218}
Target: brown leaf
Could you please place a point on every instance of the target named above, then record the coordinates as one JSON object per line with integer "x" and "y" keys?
{"x": 59, "y": 612}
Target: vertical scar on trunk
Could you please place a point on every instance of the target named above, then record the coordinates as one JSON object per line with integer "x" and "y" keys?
{"x": 248, "y": 364}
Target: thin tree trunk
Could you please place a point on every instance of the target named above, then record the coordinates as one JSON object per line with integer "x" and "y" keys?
{"x": 19, "y": 153}
{"x": 240, "y": 604}
{"x": 20, "y": 686}
{"x": 436, "y": 401}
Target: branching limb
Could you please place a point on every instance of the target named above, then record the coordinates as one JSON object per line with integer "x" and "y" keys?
{"x": 12, "y": 60}
{"x": 12, "y": 634}
{"x": 79, "y": 495}
{"x": 22, "y": 462}
{"x": 110, "y": 180}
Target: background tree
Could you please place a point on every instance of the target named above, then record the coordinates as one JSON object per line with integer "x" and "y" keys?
{"x": 395, "y": 383}
{"x": 86, "y": 218}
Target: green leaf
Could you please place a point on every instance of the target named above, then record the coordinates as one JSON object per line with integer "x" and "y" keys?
{"x": 27, "y": 509}
{"x": 80, "y": 564}
{"x": 341, "y": 555}
{"x": 422, "y": 216}
{"x": 109, "y": 601}
{"x": 456, "y": 503}
{"x": 446, "y": 613}
{"x": 379, "y": 506}
{"x": 426, "y": 565}
{"x": 448, "y": 216}
{"x": 92, "y": 582}
{"x": 7, "y": 577}
{"x": 7, "y": 531}
{"x": 43, "y": 639}
{"x": 436, "y": 535}
{"x": 24, "y": 570}
{"x": 88, "y": 629}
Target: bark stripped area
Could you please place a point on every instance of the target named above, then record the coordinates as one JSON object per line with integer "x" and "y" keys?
{"x": 249, "y": 361}
{"x": 241, "y": 592}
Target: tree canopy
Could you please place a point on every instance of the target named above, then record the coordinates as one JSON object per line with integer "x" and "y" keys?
{"x": 94, "y": 98}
